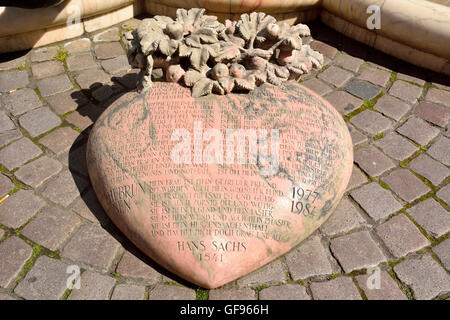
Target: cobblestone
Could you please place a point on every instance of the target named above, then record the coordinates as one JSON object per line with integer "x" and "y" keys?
{"x": 438, "y": 96}
{"x": 442, "y": 250}
{"x": 93, "y": 286}
{"x": 171, "y": 292}
{"x": 76, "y": 46}
{"x": 444, "y": 194}
{"x": 374, "y": 75}
{"x": 371, "y": 122}
{"x": 357, "y": 137}
{"x": 43, "y": 54}
{"x": 376, "y": 201}
{"x": 21, "y": 101}
{"x": 232, "y": 294}
{"x": 272, "y": 273}
{"x": 47, "y": 69}
{"x": 60, "y": 140}
{"x": 362, "y": 89}
{"x": 424, "y": 275}
{"x": 67, "y": 101}
{"x": 128, "y": 292}
{"x": 401, "y": 236}
{"x": 418, "y": 130}
{"x": 39, "y": 121}
{"x": 9, "y": 136}
{"x": 14, "y": 252}
{"x": 309, "y": 259}
{"x": 429, "y": 168}
{"x": 6, "y": 185}
{"x": 5, "y": 122}
{"x": 107, "y": 35}
{"x": 388, "y": 289}
{"x": 344, "y": 219}
{"x": 108, "y": 50}
{"x": 431, "y": 216}
{"x": 92, "y": 78}
{"x": 35, "y": 173}
{"x": 336, "y": 76}
{"x": 373, "y": 161}
{"x": 341, "y": 288}
{"x": 64, "y": 189}
{"x": 405, "y": 91}
{"x": 19, "y": 208}
{"x": 344, "y": 102}
{"x": 357, "y": 179}
{"x": 392, "y": 107}
{"x": 440, "y": 150}
{"x": 81, "y": 62}
{"x": 116, "y": 65}
{"x": 433, "y": 113}
{"x": 406, "y": 185}
{"x": 88, "y": 207}
{"x": 53, "y": 85}
{"x": 14, "y": 63}
{"x": 348, "y": 62}
{"x": 131, "y": 266}
{"x": 396, "y": 147}
{"x": 12, "y": 80}
{"x": 284, "y": 292}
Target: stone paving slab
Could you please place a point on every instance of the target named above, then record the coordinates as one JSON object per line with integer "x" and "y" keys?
{"x": 387, "y": 290}
{"x": 21, "y": 101}
{"x": 442, "y": 250}
{"x": 341, "y": 288}
{"x": 6, "y": 185}
{"x": 418, "y": 130}
{"x": 14, "y": 252}
{"x": 284, "y": 292}
{"x": 93, "y": 286}
{"x": 431, "y": 216}
{"x": 37, "y": 172}
{"x": 128, "y": 292}
{"x": 19, "y": 208}
{"x": 171, "y": 292}
{"x": 373, "y": 161}
{"x": 18, "y": 152}
{"x": 232, "y": 294}
{"x": 429, "y": 168}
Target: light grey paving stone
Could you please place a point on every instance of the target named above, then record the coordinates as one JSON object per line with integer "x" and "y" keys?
{"x": 35, "y": 173}
{"x": 336, "y": 76}
{"x": 64, "y": 189}
{"x": 373, "y": 161}
{"x": 344, "y": 219}
{"x": 424, "y": 275}
{"x": 418, "y": 130}
{"x": 371, "y": 122}
{"x": 317, "y": 86}
{"x": 9, "y": 136}
{"x": 387, "y": 289}
{"x": 341, "y": 288}
{"x": 51, "y": 227}
{"x": 21, "y": 101}
{"x": 232, "y": 294}
{"x": 67, "y": 101}
{"x": 4, "y": 297}
{"x": 108, "y": 50}
{"x": 14, "y": 63}
{"x": 408, "y": 78}
{"x": 374, "y": 75}
{"x": 392, "y": 107}
{"x": 107, "y": 35}
{"x": 61, "y": 140}
{"x": 12, "y": 80}
{"x": 92, "y": 78}
{"x": 438, "y": 96}
{"x": 356, "y": 179}
{"x": 128, "y": 292}
{"x": 18, "y": 152}
{"x": 440, "y": 150}
{"x": 406, "y": 91}
{"x": 362, "y": 89}
{"x": 434, "y": 113}
{"x": 53, "y": 85}
{"x": 93, "y": 286}
{"x": 116, "y": 65}
{"x": 5, "y": 122}
{"x": 14, "y": 252}
{"x": 284, "y": 292}
{"x": 19, "y": 208}
{"x": 93, "y": 247}
{"x": 401, "y": 236}
{"x": 39, "y": 121}
{"x": 309, "y": 259}
{"x": 357, "y": 137}
{"x": 171, "y": 292}
{"x": 344, "y": 102}
{"x": 272, "y": 273}
{"x": 6, "y": 185}
{"x": 431, "y": 216}
{"x": 444, "y": 194}
{"x": 357, "y": 251}
{"x": 442, "y": 250}
{"x": 47, "y": 69}
{"x": 79, "y": 45}
{"x": 81, "y": 62}
{"x": 429, "y": 168}
{"x": 396, "y": 147}
{"x": 44, "y": 54}
{"x": 47, "y": 280}
{"x": 406, "y": 185}
{"x": 376, "y": 201}
{"x": 131, "y": 266}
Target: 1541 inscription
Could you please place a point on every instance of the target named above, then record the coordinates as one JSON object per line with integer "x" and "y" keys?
{"x": 215, "y": 187}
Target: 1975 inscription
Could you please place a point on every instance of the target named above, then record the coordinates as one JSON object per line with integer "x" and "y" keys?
{"x": 215, "y": 187}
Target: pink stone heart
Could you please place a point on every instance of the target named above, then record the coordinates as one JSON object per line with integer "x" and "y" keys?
{"x": 210, "y": 208}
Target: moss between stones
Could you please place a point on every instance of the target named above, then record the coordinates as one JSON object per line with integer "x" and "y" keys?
{"x": 402, "y": 286}
{"x": 62, "y": 55}
{"x": 202, "y": 294}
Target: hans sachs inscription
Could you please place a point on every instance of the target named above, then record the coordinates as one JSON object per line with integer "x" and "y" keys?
{"x": 215, "y": 187}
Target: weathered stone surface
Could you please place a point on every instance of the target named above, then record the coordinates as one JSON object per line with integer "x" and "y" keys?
{"x": 345, "y": 218}
{"x": 373, "y": 161}
{"x": 92, "y": 78}
{"x": 371, "y": 122}
{"x": 76, "y": 46}
{"x": 440, "y": 150}
{"x": 60, "y": 140}
{"x": 93, "y": 286}
{"x": 396, "y": 146}
{"x": 374, "y": 75}
{"x": 392, "y": 107}
{"x": 19, "y": 152}
{"x": 39, "y": 121}
{"x": 51, "y": 227}
{"x": 348, "y": 62}
{"x": 14, "y": 252}
{"x": 108, "y": 50}
{"x": 401, "y": 236}
{"x": 357, "y": 179}
{"x": 5, "y": 122}
{"x": 85, "y": 116}
{"x": 5, "y": 297}
{"x": 429, "y": 168}
{"x": 9, "y": 136}
{"x": 21, "y": 101}
{"x": 81, "y": 61}
{"x": 284, "y": 292}
{"x": 14, "y": 63}
{"x": 6, "y": 185}
{"x": 418, "y": 130}
{"x": 19, "y": 207}
{"x": 433, "y": 113}
{"x": 344, "y": 102}
{"x": 64, "y": 189}
{"x": 171, "y": 292}
{"x": 341, "y": 288}
{"x": 131, "y": 266}
{"x": 47, "y": 280}
{"x": 336, "y": 76}
{"x": 232, "y": 294}
{"x": 376, "y": 201}
{"x": 128, "y": 292}
{"x": 405, "y": 91}
{"x": 431, "y": 216}
{"x": 444, "y": 194}
{"x": 357, "y": 137}
{"x": 362, "y": 89}
{"x": 116, "y": 65}
{"x": 309, "y": 259}
{"x": 406, "y": 185}
{"x": 272, "y": 273}
{"x": 93, "y": 247}
{"x": 424, "y": 275}
{"x": 105, "y": 136}
{"x": 47, "y": 69}
{"x": 53, "y": 85}
{"x": 107, "y": 35}
{"x": 356, "y": 251}
{"x": 12, "y": 80}
{"x": 89, "y": 208}
{"x": 324, "y": 48}
{"x": 388, "y": 289}
{"x": 38, "y": 171}
{"x": 409, "y": 78}
{"x": 438, "y": 96}
{"x": 442, "y": 250}
{"x": 43, "y": 54}
{"x": 67, "y": 101}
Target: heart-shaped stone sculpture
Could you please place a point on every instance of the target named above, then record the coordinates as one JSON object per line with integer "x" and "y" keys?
{"x": 213, "y": 188}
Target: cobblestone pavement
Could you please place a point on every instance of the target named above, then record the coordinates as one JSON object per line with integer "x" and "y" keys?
{"x": 395, "y": 214}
